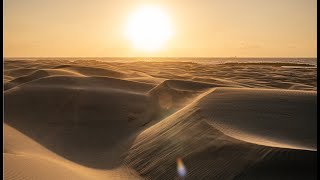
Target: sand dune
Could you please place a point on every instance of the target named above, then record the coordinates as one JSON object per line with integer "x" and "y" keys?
{"x": 103, "y": 120}
{"x": 93, "y": 71}
{"x": 254, "y": 112}
{"x": 26, "y": 159}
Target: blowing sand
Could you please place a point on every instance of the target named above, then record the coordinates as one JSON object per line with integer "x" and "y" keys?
{"x": 109, "y": 120}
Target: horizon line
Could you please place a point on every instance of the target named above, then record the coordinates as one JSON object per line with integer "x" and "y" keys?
{"x": 152, "y": 57}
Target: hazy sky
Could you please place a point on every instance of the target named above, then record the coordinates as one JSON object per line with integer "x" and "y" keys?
{"x": 215, "y": 28}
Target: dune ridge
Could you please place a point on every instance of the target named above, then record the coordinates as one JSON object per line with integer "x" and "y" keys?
{"x": 103, "y": 120}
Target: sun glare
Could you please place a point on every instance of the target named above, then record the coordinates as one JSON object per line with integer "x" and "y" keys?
{"x": 148, "y": 28}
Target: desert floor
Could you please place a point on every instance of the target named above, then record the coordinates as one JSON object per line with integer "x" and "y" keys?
{"x": 89, "y": 119}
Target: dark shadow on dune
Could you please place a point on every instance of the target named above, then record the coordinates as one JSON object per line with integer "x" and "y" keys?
{"x": 24, "y": 79}
{"x": 210, "y": 154}
{"x": 78, "y": 122}
{"x": 81, "y": 145}
{"x": 284, "y": 163}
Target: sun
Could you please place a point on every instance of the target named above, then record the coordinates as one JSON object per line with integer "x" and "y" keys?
{"x": 149, "y": 28}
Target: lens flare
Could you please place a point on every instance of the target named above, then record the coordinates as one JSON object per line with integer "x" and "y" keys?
{"x": 182, "y": 171}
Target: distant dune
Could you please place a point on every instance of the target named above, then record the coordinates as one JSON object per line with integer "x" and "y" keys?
{"x": 110, "y": 120}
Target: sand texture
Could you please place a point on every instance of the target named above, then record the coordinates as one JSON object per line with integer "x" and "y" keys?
{"x": 83, "y": 119}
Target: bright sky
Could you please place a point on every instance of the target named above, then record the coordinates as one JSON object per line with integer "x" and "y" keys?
{"x": 206, "y": 28}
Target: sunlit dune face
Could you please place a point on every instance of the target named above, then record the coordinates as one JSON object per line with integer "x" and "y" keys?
{"x": 148, "y": 28}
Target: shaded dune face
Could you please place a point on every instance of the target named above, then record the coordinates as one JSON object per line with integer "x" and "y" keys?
{"x": 99, "y": 120}
{"x": 215, "y": 147}
{"x": 25, "y": 158}
{"x": 76, "y": 116}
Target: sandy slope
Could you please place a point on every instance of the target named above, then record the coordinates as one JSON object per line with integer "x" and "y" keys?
{"x": 26, "y": 159}
{"x": 103, "y": 120}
